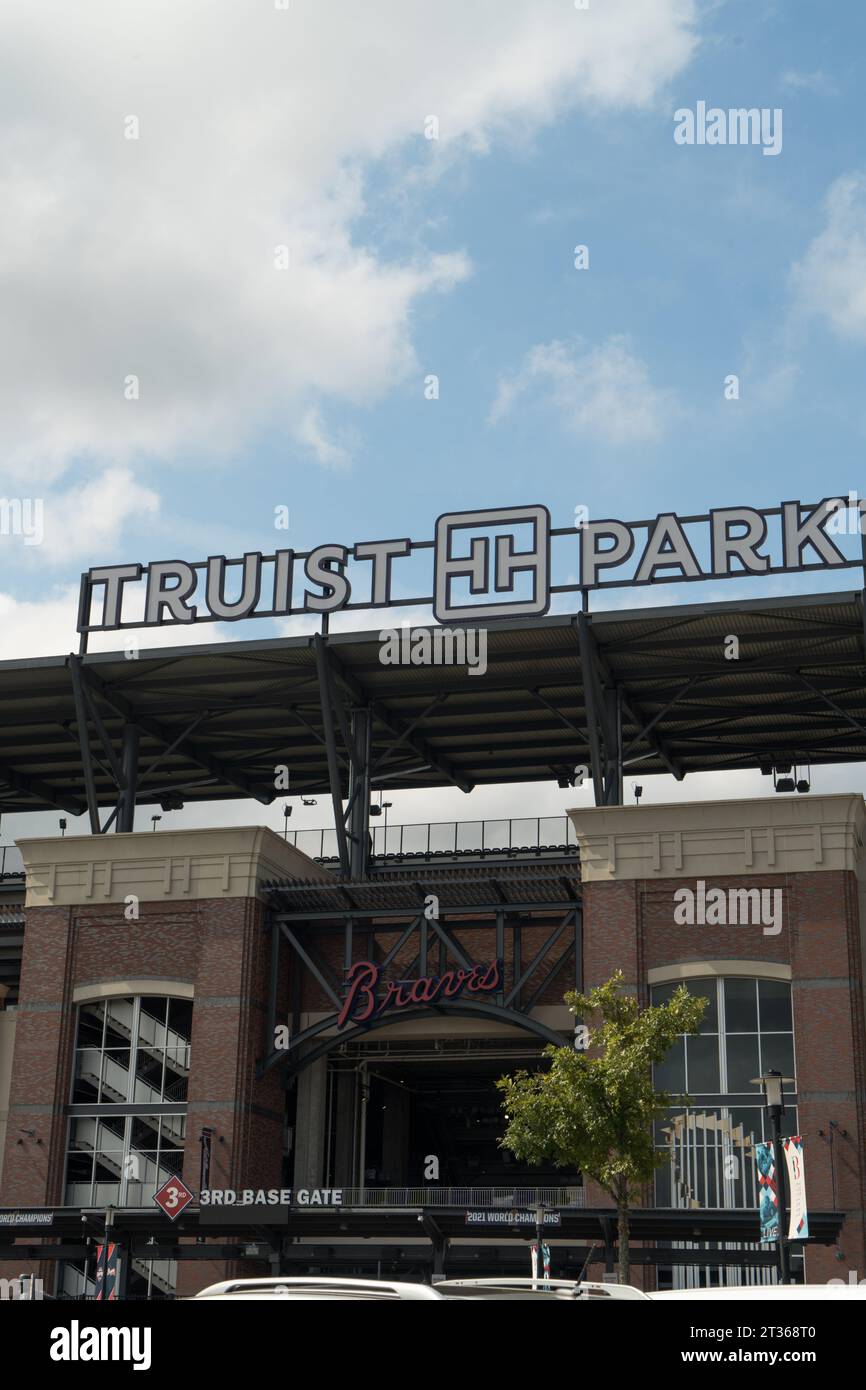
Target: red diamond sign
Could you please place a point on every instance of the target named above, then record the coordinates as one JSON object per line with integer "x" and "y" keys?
{"x": 173, "y": 1197}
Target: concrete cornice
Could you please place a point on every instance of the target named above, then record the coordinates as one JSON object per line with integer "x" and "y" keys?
{"x": 171, "y": 865}
{"x": 764, "y": 835}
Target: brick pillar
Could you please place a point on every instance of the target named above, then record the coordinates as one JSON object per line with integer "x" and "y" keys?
{"x": 198, "y": 930}
{"x": 808, "y": 849}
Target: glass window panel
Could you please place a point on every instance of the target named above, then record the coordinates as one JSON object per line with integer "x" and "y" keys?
{"x": 114, "y": 1125}
{"x": 80, "y": 1168}
{"x": 706, "y": 989}
{"x": 176, "y": 1076}
{"x": 496, "y": 834}
{"x": 663, "y": 1185}
{"x": 82, "y": 1134}
{"x": 170, "y": 1164}
{"x": 88, "y": 1063}
{"x": 109, "y": 1166}
{"x": 663, "y": 1123}
{"x": 777, "y": 1054}
{"x": 85, "y": 1084}
{"x": 151, "y": 1022}
{"x": 145, "y": 1132}
{"x": 524, "y": 832}
{"x": 774, "y": 997}
{"x": 702, "y": 1054}
{"x": 750, "y": 1117}
{"x": 142, "y": 1170}
{"x": 662, "y": 994}
{"x": 741, "y": 1006}
{"x": 149, "y": 1068}
{"x": 699, "y": 989}
{"x": 79, "y": 1194}
{"x": 118, "y": 1022}
{"x": 179, "y": 1021}
{"x": 743, "y": 1063}
{"x": 115, "y": 1078}
{"x": 105, "y": 1194}
{"x": 670, "y": 1075}
{"x": 172, "y": 1129}
{"x": 91, "y": 1021}
{"x": 790, "y": 1123}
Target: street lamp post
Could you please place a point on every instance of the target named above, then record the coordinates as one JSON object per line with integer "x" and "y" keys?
{"x": 772, "y": 1083}
{"x": 539, "y": 1237}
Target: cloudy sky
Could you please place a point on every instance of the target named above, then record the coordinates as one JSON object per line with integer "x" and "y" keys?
{"x": 239, "y": 206}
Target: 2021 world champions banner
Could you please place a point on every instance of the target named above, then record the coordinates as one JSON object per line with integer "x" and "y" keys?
{"x": 798, "y": 1224}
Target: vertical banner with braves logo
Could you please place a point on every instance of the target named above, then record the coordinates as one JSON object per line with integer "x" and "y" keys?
{"x": 798, "y": 1226}
{"x": 768, "y": 1192}
{"x": 107, "y": 1269}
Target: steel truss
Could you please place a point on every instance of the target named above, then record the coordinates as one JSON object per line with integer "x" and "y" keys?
{"x": 436, "y": 950}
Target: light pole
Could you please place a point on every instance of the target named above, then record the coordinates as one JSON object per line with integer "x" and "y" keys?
{"x": 772, "y": 1084}
{"x": 539, "y": 1237}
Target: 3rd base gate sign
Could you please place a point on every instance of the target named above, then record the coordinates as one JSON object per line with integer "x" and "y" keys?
{"x": 173, "y": 1197}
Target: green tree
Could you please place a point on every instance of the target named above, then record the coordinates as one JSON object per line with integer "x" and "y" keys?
{"x": 593, "y": 1110}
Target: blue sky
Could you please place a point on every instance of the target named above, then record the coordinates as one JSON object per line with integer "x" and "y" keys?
{"x": 412, "y": 256}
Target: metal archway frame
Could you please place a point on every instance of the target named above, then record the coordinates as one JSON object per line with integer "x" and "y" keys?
{"x": 493, "y": 1013}
{"x": 522, "y": 986}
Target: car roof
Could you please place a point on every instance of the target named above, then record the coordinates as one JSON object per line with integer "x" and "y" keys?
{"x": 573, "y": 1288}
{"x": 317, "y": 1286}
{"x": 764, "y": 1292}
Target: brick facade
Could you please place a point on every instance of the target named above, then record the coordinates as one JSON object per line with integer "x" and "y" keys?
{"x": 629, "y": 924}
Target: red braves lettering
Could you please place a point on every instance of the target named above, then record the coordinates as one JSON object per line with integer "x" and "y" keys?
{"x": 363, "y": 1002}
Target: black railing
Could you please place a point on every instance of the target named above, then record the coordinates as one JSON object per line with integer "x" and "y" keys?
{"x": 527, "y": 834}
{"x": 11, "y": 862}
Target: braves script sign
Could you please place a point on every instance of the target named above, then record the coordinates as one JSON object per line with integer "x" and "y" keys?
{"x": 487, "y": 564}
{"x": 364, "y": 1000}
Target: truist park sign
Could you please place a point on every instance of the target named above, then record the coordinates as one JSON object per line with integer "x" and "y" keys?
{"x": 480, "y": 565}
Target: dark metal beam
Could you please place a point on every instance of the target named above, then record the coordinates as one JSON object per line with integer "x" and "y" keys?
{"x": 84, "y": 742}
{"x": 186, "y": 748}
{"x": 327, "y": 698}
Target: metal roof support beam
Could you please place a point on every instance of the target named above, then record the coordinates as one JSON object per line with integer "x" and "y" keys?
{"x": 327, "y": 696}
{"x": 538, "y": 958}
{"x": 450, "y": 944}
{"x": 549, "y": 977}
{"x": 33, "y": 786}
{"x": 400, "y": 730}
{"x": 222, "y": 771}
{"x": 315, "y": 967}
{"x": 849, "y": 718}
{"x": 575, "y": 729}
{"x": 84, "y": 743}
{"x": 592, "y": 691}
{"x": 648, "y": 727}
{"x": 126, "y": 800}
{"x": 408, "y": 730}
{"x": 628, "y": 706}
{"x": 358, "y": 809}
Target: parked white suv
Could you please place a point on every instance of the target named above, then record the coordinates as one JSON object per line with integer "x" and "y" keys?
{"x": 314, "y": 1286}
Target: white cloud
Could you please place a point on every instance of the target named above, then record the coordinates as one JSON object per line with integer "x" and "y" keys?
{"x": 604, "y": 392}
{"x": 830, "y": 280}
{"x": 156, "y": 256}
{"x": 329, "y": 453}
{"x": 816, "y": 81}
{"x": 48, "y": 627}
{"x": 89, "y": 520}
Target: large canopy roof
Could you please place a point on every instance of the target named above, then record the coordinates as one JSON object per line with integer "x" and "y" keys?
{"x": 214, "y": 721}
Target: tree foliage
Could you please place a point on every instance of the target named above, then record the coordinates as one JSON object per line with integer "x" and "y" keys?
{"x": 593, "y": 1110}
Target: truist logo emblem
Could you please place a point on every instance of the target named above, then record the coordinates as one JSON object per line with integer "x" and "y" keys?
{"x": 364, "y": 1001}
